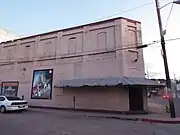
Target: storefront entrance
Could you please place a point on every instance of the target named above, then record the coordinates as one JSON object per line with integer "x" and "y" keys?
{"x": 136, "y": 98}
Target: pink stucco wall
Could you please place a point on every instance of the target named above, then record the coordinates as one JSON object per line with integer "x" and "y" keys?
{"x": 89, "y": 51}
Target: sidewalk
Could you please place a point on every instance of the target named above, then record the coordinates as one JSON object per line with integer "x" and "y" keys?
{"x": 156, "y": 108}
{"x": 151, "y": 118}
{"x": 158, "y": 115}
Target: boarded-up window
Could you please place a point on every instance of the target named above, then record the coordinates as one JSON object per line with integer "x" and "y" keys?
{"x": 47, "y": 46}
{"x": 132, "y": 41}
{"x": 26, "y": 50}
{"x": 10, "y": 52}
{"x": 132, "y": 36}
{"x": 102, "y": 40}
{"x": 72, "y": 45}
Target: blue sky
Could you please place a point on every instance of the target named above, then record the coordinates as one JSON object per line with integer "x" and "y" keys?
{"x": 28, "y": 17}
{"x": 36, "y": 16}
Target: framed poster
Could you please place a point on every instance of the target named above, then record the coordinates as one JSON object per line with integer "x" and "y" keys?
{"x": 42, "y": 84}
{"x": 9, "y": 88}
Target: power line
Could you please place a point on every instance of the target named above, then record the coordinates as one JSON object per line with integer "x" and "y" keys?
{"x": 172, "y": 39}
{"x": 132, "y": 9}
{"x": 78, "y": 55}
{"x": 100, "y": 51}
{"x": 169, "y": 16}
{"x": 168, "y": 40}
{"x": 125, "y": 46}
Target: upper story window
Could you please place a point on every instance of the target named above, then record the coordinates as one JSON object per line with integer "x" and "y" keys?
{"x": 72, "y": 45}
{"x": 10, "y": 52}
{"x": 102, "y": 40}
{"x": 132, "y": 36}
{"x": 132, "y": 41}
{"x": 47, "y": 46}
{"x": 25, "y": 49}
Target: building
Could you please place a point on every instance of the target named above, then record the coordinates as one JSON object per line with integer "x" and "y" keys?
{"x": 178, "y": 87}
{"x": 6, "y": 35}
{"x": 94, "y": 66}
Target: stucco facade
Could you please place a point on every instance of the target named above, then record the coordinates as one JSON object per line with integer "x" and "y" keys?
{"x": 89, "y": 51}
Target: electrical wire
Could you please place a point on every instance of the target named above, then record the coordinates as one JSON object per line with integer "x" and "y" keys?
{"x": 123, "y": 11}
{"x": 94, "y": 53}
{"x": 168, "y": 40}
{"x": 167, "y": 21}
{"x": 125, "y": 46}
{"x": 172, "y": 39}
{"x": 132, "y": 9}
{"x": 118, "y": 48}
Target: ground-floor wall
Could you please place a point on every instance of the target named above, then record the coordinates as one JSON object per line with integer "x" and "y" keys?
{"x": 97, "y": 98}
{"x": 110, "y": 98}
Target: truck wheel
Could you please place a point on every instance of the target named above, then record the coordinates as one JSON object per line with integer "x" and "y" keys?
{"x": 2, "y": 109}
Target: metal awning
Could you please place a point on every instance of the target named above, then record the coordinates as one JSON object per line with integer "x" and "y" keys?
{"x": 118, "y": 81}
{"x": 140, "y": 81}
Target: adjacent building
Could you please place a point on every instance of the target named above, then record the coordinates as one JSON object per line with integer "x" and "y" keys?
{"x": 94, "y": 66}
{"x": 6, "y": 35}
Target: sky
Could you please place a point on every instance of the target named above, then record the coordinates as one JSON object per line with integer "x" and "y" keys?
{"x": 37, "y": 16}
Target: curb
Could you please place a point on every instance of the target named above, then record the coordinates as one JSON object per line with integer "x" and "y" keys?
{"x": 137, "y": 119}
{"x": 91, "y": 110}
{"x": 150, "y": 120}
{"x": 113, "y": 117}
{"x": 160, "y": 121}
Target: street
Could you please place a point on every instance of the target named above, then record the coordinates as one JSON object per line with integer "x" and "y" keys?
{"x": 52, "y": 122}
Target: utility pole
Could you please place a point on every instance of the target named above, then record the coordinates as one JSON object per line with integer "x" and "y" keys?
{"x": 168, "y": 80}
{"x": 174, "y": 76}
{"x": 147, "y": 71}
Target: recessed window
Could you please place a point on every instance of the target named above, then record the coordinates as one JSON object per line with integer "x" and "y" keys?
{"x": 132, "y": 40}
{"x": 132, "y": 36}
{"x": 72, "y": 45}
{"x": 102, "y": 40}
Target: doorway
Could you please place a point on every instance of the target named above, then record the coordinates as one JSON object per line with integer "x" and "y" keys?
{"x": 136, "y": 98}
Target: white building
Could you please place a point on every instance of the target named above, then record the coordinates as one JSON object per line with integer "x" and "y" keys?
{"x": 6, "y": 35}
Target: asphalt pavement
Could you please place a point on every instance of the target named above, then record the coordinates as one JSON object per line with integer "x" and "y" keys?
{"x": 52, "y": 122}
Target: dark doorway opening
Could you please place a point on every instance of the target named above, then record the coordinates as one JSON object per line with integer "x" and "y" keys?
{"x": 136, "y": 98}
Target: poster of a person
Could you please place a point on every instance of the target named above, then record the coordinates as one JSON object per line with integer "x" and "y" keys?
{"x": 42, "y": 84}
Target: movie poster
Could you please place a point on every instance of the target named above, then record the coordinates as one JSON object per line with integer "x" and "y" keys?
{"x": 42, "y": 84}
{"x": 9, "y": 88}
